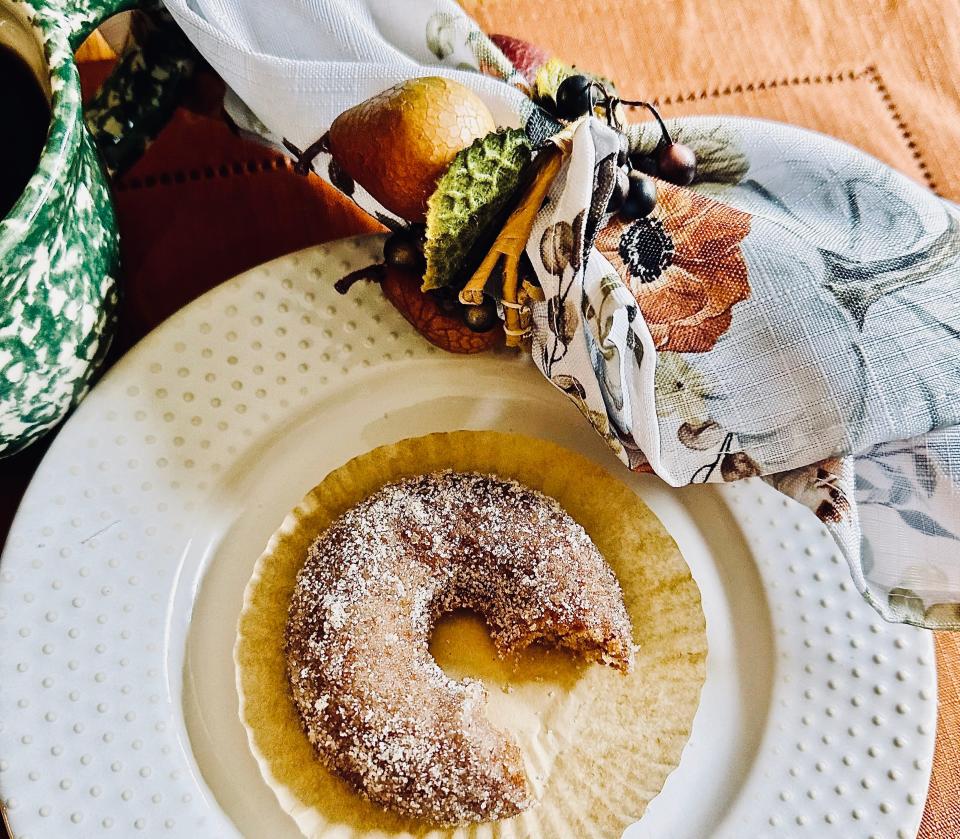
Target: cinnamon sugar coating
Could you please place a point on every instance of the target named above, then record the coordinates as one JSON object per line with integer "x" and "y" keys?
{"x": 377, "y": 708}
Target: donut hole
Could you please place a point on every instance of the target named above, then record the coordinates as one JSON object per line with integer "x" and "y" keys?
{"x": 462, "y": 647}
{"x": 529, "y": 694}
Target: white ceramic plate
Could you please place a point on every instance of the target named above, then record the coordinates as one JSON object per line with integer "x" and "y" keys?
{"x": 123, "y": 575}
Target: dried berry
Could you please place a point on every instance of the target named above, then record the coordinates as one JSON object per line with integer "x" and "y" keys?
{"x": 677, "y": 163}
{"x": 576, "y": 96}
{"x": 481, "y": 318}
{"x": 642, "y": 196}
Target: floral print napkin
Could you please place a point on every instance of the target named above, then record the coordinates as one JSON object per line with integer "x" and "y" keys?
{"x": 793, "y": 315}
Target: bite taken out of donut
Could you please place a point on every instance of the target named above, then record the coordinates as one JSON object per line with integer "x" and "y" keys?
{"x": 374, "y": 703}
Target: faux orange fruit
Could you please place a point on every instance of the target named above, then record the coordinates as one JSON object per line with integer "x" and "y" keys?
{"x": 443, "y": 330}
{"x": 398, "y": 143}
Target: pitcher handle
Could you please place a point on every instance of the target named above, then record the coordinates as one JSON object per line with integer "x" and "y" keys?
{"x": 140, "y": 95}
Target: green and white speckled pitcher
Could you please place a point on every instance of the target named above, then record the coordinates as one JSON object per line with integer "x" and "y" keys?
{"x": 59, "y": 253}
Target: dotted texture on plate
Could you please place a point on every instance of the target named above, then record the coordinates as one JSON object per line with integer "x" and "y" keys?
{"x": 91, "y": 743}
{"x": 849, "y": 739}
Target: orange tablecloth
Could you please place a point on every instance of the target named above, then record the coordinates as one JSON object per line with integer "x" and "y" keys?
{"x": 203, "y": 205}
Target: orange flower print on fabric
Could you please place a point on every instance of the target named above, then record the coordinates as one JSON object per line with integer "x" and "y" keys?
{"x": 683, "y": 264}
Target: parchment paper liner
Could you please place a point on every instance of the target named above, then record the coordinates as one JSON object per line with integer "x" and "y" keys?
{"x": 598, "y": 745}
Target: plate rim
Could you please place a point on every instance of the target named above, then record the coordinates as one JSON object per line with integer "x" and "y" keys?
{"x": 137, "y": 357}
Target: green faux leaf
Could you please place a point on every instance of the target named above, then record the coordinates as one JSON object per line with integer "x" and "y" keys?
{"x": 472, "y": 193}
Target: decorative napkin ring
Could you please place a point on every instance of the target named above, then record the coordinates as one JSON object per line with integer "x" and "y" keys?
{"x": 722, "y": 298}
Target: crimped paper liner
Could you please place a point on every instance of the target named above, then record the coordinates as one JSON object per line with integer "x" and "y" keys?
{"x": 598, "y": 745}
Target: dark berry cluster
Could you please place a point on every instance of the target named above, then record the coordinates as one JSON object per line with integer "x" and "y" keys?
{"x": 635, "y": 190}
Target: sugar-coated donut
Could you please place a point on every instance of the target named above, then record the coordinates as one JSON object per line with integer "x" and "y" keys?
{"x": 377, "y": 708}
